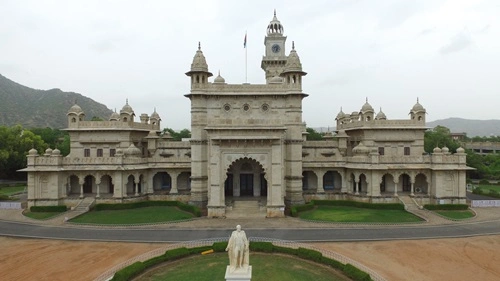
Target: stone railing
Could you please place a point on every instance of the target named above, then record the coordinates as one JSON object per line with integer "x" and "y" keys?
{"x": 108, "y": 274}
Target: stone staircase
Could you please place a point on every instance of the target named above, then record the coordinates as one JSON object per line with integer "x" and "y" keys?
{"x": 245, "y": 209}
{"x": 410, "y": 204}
{"x": 412, "y": 207}
{"x": 85, "y": 204}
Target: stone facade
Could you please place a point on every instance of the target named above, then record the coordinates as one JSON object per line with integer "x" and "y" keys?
{"x": 247, "y": 141}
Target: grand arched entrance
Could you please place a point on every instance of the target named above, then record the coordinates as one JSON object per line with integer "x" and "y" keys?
{"x": 245, "y": 177}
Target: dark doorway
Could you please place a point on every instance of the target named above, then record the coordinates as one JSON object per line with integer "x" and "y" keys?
{"x": 406, "y": 183}
{"x": 246, "y": 184}
{"x": 228, "y": 185}
{"x": 87, "y": 185}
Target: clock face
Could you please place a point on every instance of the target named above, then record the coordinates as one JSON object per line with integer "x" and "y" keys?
{"x": 275, "y": 48}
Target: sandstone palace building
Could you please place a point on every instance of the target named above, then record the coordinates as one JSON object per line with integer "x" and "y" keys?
{"x": 248, "y": 141}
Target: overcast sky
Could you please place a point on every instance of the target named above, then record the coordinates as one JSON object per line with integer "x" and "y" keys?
{"x": 446, "y": 53}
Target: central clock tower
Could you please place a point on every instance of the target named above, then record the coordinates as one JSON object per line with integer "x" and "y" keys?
{"x": 273, "y": 62}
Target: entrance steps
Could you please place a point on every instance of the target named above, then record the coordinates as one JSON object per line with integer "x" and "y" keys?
{"x": 410, "y": 204}
{"x": 246, "y": 209}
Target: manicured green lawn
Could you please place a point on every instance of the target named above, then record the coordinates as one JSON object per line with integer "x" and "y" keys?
{"x": 41, "y": 215}
{"x": 134, "y": 216}
{"x": 352, "y": 214}
{"x": 10, "y": 190}
{"x": 264, "y": 267}
{"x": 489, "y": 187}
{"x": 456, "y": 214}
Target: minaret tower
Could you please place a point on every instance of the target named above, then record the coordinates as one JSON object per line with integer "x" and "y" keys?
{"x": 274, "y": 60}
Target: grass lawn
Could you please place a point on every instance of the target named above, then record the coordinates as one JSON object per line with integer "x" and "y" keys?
{"x": 41, "y": 215}
{"x": 489, "y": 187}
{"x": 352, "y": 214}
{"x": 456, "y": 214}
{"x": 10, "y": 190}
{"x": 264, "y": 267}
{"x": 134, "y": 216}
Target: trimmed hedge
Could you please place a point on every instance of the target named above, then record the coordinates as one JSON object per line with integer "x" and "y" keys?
{"x": 380, "y": 206}
{"x": 5, "y": 198}
{"x": 446, "y": 207}
{"x": 136, "y": 268}
{"x": 129, "y": 272}
{"x": 266, "y": 247}
{"x": 356, "y": 274}
{"x": 125, "y": 206}
{"x": 219, "y": 247}
{"x": 295, "y": 210}
{"x": 60, "y": 208}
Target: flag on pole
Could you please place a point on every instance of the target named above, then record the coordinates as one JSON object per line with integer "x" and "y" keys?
{"x": 245, "y": 41}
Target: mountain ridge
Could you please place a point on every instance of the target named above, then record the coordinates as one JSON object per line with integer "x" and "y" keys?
{"x": 33, "y": 108}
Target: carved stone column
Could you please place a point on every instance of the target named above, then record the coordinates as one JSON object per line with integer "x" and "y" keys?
{"x": 81, "y": 181}
{"x": 173, "y": 177}
{"x": 320, "y": 175}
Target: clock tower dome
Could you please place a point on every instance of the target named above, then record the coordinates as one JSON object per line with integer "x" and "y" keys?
{"x": 274, "y": 61}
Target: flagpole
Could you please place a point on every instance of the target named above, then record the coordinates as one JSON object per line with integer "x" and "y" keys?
{"x": 246, "y": 50}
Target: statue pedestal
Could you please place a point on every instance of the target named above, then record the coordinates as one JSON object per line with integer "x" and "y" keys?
{"x": 240, "y": 274}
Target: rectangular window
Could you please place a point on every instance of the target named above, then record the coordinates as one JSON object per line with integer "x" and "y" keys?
{"x": 99, "y": 152}
{"x": 407, "y": 151}
{"x": 86, "y": 152}
{"x": 381, "y": 151}
{"x": 112, "y": 152}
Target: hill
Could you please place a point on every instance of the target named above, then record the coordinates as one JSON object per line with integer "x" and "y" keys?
{"x": 471, "y": 127}
{"x": 42, "y": 108}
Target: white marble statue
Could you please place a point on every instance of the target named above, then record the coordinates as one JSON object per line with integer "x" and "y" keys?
{"x": 237, "y": 249}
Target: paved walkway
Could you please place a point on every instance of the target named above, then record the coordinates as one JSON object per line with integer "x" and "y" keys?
{"x": 431, "y": 219}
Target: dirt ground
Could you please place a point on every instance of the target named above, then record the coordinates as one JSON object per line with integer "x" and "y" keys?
{"x": 475, "y": 258}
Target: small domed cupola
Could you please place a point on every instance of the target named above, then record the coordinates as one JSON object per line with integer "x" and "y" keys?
{"x": 367, "y": 113}
{"x": 199, "y": 69}
{"x": 293, "y": 69}
{"x": 75, "y": 114}
{"x": 114, "y": 116}
{"x": 127, "y": 113}
{"x": 275, "y": 26}
{"x": 418, "y": 112}
{"x": 133, "y": 151}
{"x": 340, "y": 118}
{"x": 219, "y": 79}
{"x": 155, "y": 118}
{"x": 381, "y": 115}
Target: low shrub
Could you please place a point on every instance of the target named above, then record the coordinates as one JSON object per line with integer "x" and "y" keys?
{"x": 4, "y": 197}
{"x": 381, "y": 206}
{"x": 284, "y": 250}
{"x": 478, "y": 191}
{"x": 266, "y": 247}
{"x": 60, "y": 208}
{"x": 483, "y": 181}
{"x": 308, "y": 254}
{"x": 331, "y": 262}
{"x": 125, "y": 206}
{"x": 295, "y": 210}
{"x": 129, "y": 272}
{"x": 356, "y": 274}
{"x": 446, "y": 207}
{"x": 220, "y": 246}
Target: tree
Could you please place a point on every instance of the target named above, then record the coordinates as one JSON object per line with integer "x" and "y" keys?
{"x": 15, "y": 142}
{"x": 54, "y": 138}
{"x": 96, "y": 118}
{"x": 439, "y": 136}
{"x": 178, "y": 136}
{"x": 313, "y": 134}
